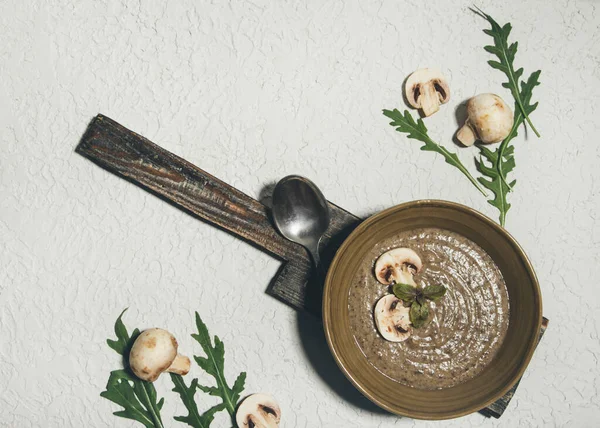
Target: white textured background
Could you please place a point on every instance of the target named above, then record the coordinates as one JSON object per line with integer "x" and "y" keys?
{"x": 252, "y": 91}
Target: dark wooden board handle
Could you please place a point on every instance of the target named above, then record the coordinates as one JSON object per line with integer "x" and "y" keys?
{"x": 126, "y": 153}
{"x": 136, "y": 158}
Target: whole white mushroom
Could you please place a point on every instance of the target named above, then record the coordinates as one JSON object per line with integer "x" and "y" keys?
{"x": 154, "y": 352}
{"x": 489, "y": 120}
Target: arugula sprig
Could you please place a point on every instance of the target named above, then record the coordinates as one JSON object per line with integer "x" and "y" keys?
{"x": 418, "y": 131}
{"x": 137, "y": 397}
{"x": 418, "y": 300}
{"x": 213, "y": 364}
{"x": 506, "y": 56}
{"x": 495, "y": 166}
{"x": 501, "y": 163}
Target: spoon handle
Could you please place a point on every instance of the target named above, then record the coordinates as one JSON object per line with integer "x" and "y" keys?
{"x": 316, "y": 259}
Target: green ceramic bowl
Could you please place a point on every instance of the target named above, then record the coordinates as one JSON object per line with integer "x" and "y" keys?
{"x": 512, "y": 358}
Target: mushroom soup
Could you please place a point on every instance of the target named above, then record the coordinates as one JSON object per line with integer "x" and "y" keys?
{"x": 464, "y": 329}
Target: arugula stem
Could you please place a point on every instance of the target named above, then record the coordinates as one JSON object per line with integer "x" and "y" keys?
{"x": 535, "y": 131}
{"x": 179, "y": 383}
{"x": 141, "y": 415}
{"x": 503, "y": 146}
{"x": 512, "y": 134}
{"x": 462, "y": 168}
{"x": 447, "y": 155}
{"x": 194, "y": 418}
{"x": 150, "y": 406}
{"x": 222, "y": 385}
{"x": 515, "y": 93}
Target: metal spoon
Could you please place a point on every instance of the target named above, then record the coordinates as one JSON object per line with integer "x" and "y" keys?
{"x": 301, "y": 213}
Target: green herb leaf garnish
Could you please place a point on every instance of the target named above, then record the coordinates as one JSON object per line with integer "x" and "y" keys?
{"x": 214, "y": 365}
{"x": 434, "y": 292}
{"x": 137, "y": 397}
{"x": 418, "y": 300}
{"x": 417, "y": 131}
{"x": 405, "y": 292}
{"x": 418, "y": 313}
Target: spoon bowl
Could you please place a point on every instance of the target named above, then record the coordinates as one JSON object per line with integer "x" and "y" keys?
{"x": 301, "y": 213}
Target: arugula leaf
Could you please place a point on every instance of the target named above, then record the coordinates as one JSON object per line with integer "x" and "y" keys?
{"x": 405, "y": 292}
{"x": 434, "y": 292}
{"x": 137, "y": 397}
{"x": 500, "y": 188}
{"x": 506, "y": 56}
{"x": 194, "y": 418}
{"x": 214, "y": 365}
{"x": 417, "y": 131}
{"x": 123, "y": 343}
{"x": 501, "y": 161}
{"x": 119, "y": 390}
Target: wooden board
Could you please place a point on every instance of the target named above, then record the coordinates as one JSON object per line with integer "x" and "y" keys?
{"x": 137, "y": 159}
{"x": 142, "y": 162}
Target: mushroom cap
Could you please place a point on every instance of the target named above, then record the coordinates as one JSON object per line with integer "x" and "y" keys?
{"x": 258, "y": 411}
{"x": 391, "y": 265}
{"x": 152, "y": 353}
{"x": 432, "y": 77}
{"x": 392, "y": 319}
{"x": 490, "y": 117}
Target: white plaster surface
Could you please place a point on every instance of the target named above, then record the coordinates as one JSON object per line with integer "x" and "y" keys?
{"x": 251, "y": 91}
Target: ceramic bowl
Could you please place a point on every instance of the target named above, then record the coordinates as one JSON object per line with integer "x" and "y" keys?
{"x": 516, "y": 350}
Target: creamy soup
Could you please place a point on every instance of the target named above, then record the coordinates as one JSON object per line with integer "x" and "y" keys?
{"x": 465, "y": 328}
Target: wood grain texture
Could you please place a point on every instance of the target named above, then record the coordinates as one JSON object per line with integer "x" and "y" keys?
{"x": 179, "y": 182}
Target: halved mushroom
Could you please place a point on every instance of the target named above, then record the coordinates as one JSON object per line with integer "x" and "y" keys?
{"x": 392, "y": 319}
{"x": 489, "y": 120}
{"x": 398, "y": 266}
{"x": 258, "y": 411}
{"x": 155, "y": 351}
{"x": 426, "y": 89}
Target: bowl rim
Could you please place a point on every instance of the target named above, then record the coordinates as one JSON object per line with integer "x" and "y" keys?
{"x": 327, "y": 298}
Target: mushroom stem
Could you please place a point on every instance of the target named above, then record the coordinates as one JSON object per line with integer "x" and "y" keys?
{"x": 466, "y": 135}
{"x": 404, "y": 276}
{"x": 180, "y": 365}
{"x": 430, "y": 101}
